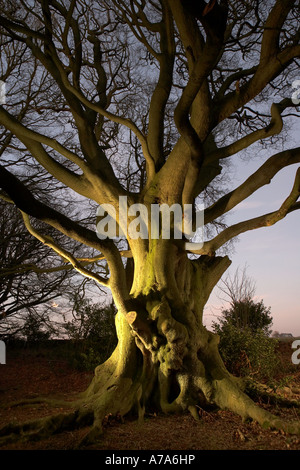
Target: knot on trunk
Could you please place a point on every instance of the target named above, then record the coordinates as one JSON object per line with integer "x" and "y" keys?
{"x": 174, "y": 336}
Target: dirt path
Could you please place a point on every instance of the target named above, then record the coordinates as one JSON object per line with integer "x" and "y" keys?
{"x": 28, "y": 375}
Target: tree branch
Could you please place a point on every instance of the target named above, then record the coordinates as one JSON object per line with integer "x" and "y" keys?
{"x": 273, "y": 128}
{"x": 26, "y": 202}
{"x": 163, "y": 87}
{"x": 64, "y": 254}
{"x": 213, "y": 20}
{"x": 272, "y": 29}
{"x": 258, "y": 179}
{"x": 17, "y": 128}
{"x": 119, "y": 120}
{"x": 289, "y": 205}
{"x": 272, "y": 63}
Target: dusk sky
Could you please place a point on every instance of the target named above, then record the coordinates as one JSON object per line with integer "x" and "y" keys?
{"x": 272, "y": 254}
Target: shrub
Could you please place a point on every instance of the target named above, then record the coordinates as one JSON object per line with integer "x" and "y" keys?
{"x": 92, "y": 331}
{"x": 248, "y": 353}
{"x": 34, "y": 330}
{"x": 248, "y": 314}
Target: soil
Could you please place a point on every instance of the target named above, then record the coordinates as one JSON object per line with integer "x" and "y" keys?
{"x": 34, "y": 373}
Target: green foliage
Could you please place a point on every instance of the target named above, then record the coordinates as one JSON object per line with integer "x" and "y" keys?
{"x": 85, "y": 358}
{"x": 245, "y": 344}
{"x": 246, "y": 352}
{"x": 247, "y": 314}
{"x": 33, "y": 331}
{"x": 92, "y": 330}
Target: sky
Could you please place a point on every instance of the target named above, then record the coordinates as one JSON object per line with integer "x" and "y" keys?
{"x": 271, "y": 254}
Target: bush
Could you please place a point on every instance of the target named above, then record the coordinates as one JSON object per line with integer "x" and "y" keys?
{"x": 86, "y": 358}
{"x": 92, "y": 331}
{"x": 34, "y": 330}
{"x": 248, "y": 314}
{"x": 248, "y": 353}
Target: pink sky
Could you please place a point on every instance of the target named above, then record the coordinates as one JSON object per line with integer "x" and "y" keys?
{"x": 272, "y": 255}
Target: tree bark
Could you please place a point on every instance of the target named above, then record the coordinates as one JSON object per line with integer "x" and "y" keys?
{"x": 165, "y": 358}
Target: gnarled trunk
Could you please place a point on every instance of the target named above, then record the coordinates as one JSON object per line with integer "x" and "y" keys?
{"x": 165, "y": 357}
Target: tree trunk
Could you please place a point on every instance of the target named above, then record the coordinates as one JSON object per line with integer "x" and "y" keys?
{"x": 165, "y": 358}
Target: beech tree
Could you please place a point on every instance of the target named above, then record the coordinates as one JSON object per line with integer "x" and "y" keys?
{"x": 150, "y": 101}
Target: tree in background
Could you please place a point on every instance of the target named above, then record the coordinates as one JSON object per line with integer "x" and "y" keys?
{"x": 33, "y": 331}
{"x": 149, "y": 101}
{"x": 31, "y": 280}
{"x": 25, "y": 280}
{"x": 243, "y": 311}
{"x": 91, "y": 328}
{"x": 244, "y": 329}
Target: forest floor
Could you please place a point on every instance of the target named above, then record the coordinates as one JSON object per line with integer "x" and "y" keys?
{"x": 33, "y": 373}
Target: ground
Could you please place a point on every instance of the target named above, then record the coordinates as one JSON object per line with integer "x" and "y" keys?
{"x": 34, "y": 373}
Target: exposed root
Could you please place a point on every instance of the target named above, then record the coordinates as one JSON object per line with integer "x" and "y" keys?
{"x": 259, "y": 391}
{"x": 120, "y": 395}
{"x": 43, "y": 427}
{"x": 229, "y": 397}
{"x": 55, "y": 402}
{"x": 130, "y": 381}
{"x": 116, "y": 399}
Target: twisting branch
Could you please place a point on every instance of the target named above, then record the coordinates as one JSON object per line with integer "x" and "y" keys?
{"x": 274, "y": 127}
{"x": 163, "y": 87}
{"x": 26, "y": 202}
{"x": 258, "y": 179}
{"x": 16, "y": 127}
{"x": 119, "y": 120}
{"x": 50, "y": 59}
{"x": 273, "y": 28}
{"x": 209, "y": 15}
{"x": 64, "y": 254}
{"x": 289, "y": 205}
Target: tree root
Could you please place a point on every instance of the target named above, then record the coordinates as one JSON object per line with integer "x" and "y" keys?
{"x": 259, "y": 391}
{"x": 116, "y": 397}
{"x": 129, "y": 382}
{"x": 230, "y": 397}
{"x": 55, "y": 402}
{"x": 120, "y": 397}
{"x": 43, "y": 427}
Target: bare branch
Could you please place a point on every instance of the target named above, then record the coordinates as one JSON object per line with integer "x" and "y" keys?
{"x": 258, "y": 179}
{"x": 289, "y": 205}
{"x": 64, "y": 254}
{"x": 274, "y": 127}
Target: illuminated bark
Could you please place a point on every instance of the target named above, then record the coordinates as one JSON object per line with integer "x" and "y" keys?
{"x": 165, "y": 357}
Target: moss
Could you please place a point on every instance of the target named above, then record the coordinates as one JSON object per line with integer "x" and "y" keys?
{"x": 185, "y": 370}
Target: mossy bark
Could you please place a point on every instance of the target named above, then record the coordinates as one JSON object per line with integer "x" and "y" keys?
{"x": 165, "y": 358}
